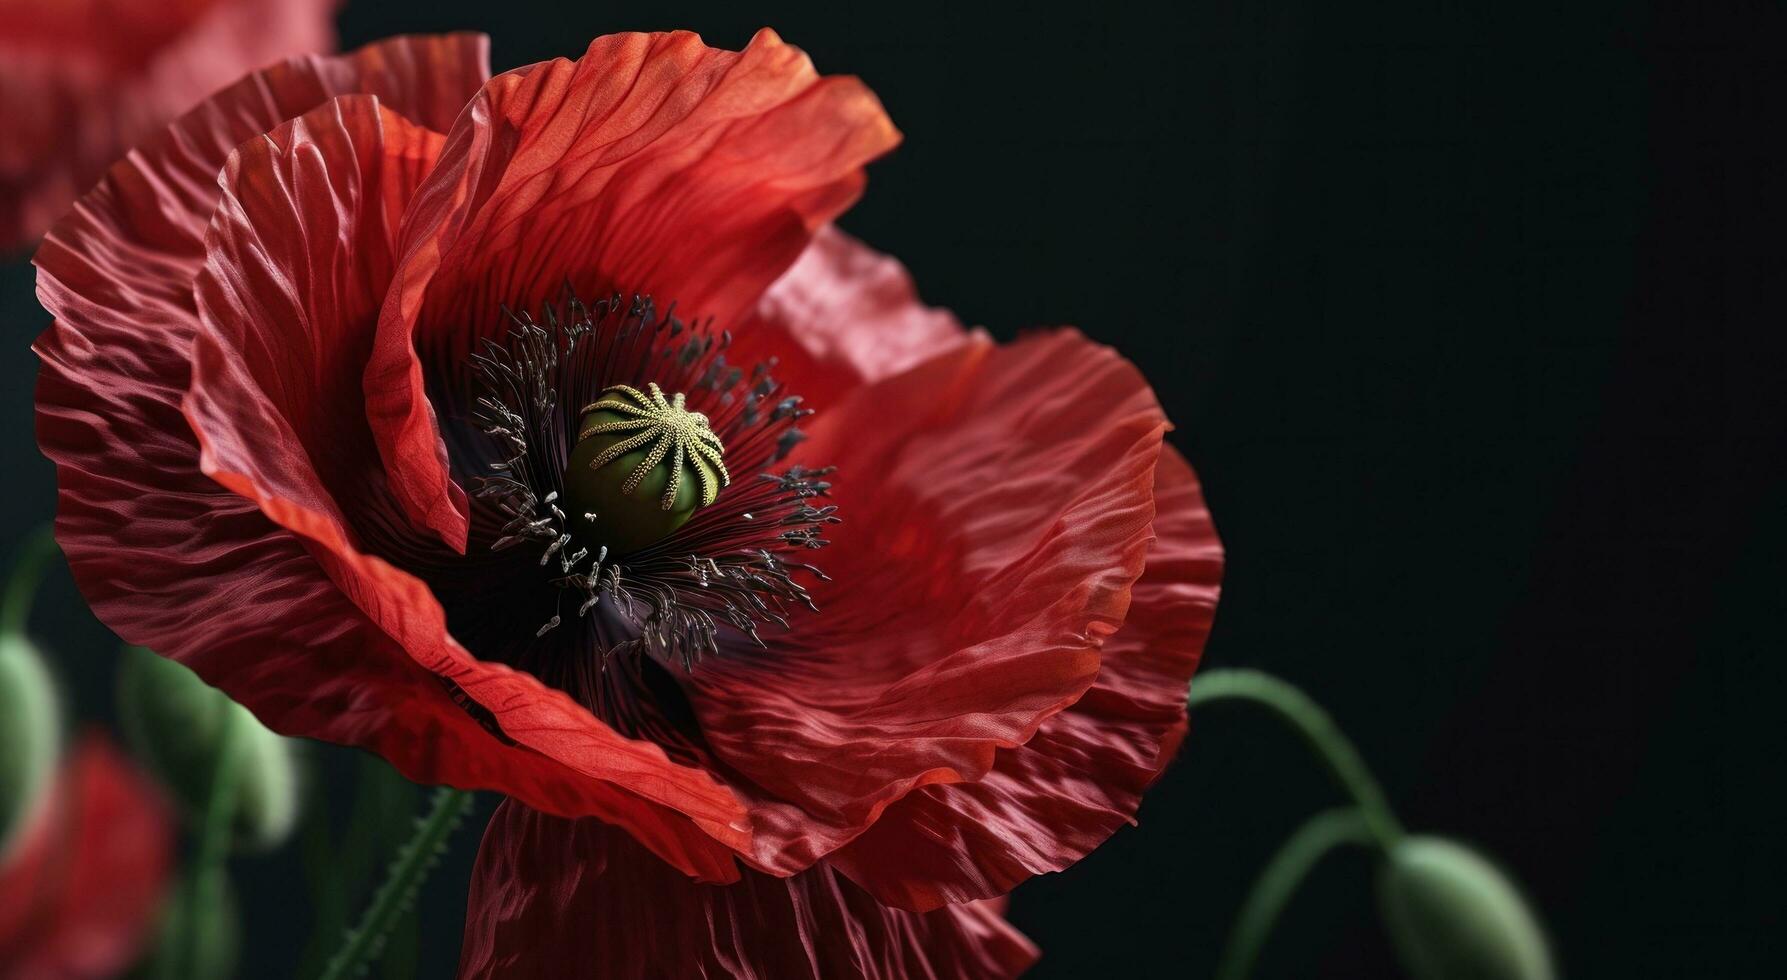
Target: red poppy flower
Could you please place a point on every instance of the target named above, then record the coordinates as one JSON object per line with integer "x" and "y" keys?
{"x": 81, "y": 81}
{"x": 80, "y": 891}
{"x": 325, "y": 353}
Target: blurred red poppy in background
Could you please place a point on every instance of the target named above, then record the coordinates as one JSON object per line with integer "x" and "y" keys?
{"x": 314, "y": 432}
{"x": 82, "y": 81}
{"x": 81, "y": 888}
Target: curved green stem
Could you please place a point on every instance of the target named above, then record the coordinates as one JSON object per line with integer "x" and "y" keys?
{"x": 1273, "y": 889}
{"x": 413, "y": 863}
{"x": 338, "y": 867}
{"x": 1318, "y": 731}
{"x": 33, "y": 555}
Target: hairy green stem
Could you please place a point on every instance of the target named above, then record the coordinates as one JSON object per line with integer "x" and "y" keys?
{"x": 339, "y": 868}
{"x": 411, "y": 867}
{"x": 1317, "y": 730}
{"x": 1279, "y": 880}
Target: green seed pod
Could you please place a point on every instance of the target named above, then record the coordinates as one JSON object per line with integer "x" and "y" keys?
{"x": 30, "y": 735}
{"x": 643, "y": 464}
{"x": 1452, "y": 915}
{"x": 176, "y": 724}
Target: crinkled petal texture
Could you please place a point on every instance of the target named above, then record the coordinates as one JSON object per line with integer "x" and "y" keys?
{"x": 1000, "y": 504}
{"x": 1049, "y": 802}
{"x": 573, "y": 899}
{"x": 233, "y": 395}
{"x": 1012, "y": 761}
{"x": 750, "y": 147}
{"x": 302, "y": 239}
{"x": 79, "y": 896}
{"x": 843, "y": 315}
{"x": 82, "y": 82}
{"x": 993, "y": 466}
{"x": 653, "y": 164}
{"x": 340, "y": 646}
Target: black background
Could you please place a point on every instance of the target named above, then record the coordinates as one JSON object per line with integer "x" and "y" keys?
{"x": 1471, "y": 318}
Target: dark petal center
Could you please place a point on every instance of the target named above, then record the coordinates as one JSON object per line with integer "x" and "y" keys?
{"x": 600, "y": 611}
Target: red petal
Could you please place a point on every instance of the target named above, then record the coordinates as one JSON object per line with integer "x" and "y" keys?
{"x": 1050, "y": 801}
{"x": 79, "y": 897}
{"x": 165, "y": 555}
{"x": 653, "y": 164}
{"x": 998, "y": 508}
{"x": 556, "y": 898}
{"x": 298, "y": 260}
{"x": 173, "y": 561}
{"x": 841, "y": 316}
{"x": 299, "y": 257}
{"x": 81, "y": 83}
{"x": 125, "y": 258}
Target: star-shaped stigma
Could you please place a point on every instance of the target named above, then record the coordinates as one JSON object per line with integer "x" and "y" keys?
{"x": 670, "y": 429}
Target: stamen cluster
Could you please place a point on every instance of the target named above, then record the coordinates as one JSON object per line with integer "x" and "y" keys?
{"x": 727, "y": 571}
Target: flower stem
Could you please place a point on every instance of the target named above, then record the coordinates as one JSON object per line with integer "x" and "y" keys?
{"x": 414, "y": 861}
{"x": 1273, "y": 889}
{"x": 332, "y": 864}
{"x": 1318, "y": 731}
{"x": 204, "y": 892}
{"x": 33, "y": 554}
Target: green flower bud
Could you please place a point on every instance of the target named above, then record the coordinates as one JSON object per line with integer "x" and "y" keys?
{"x": 176, "y": 724}
{"x": 643, "y": 464}
{"x": 30, "y": 735}
{"x": 1452, "y": 915}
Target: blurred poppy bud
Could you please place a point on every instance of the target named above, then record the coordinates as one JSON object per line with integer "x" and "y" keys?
{"x": 30, "y": 734}
{"x": 1452, "y": 915}
{"x": 177, "y": 725}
